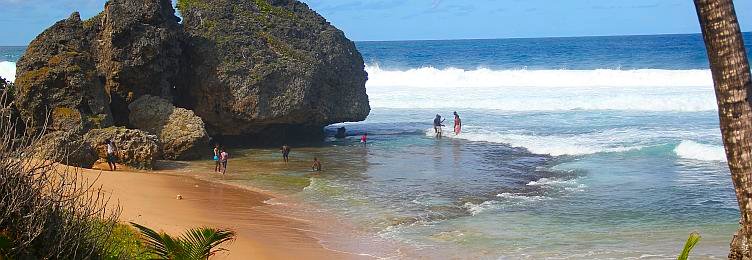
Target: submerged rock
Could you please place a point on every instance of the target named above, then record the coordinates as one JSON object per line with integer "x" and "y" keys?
{"x": 180, "y": 131}
{"x": 136, "y": 148}
{"x": 271, "y": 69}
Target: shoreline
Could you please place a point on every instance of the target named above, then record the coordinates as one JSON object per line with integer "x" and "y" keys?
{"x": 149, "y": 198}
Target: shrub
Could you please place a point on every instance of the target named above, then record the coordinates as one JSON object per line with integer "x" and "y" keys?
{"x": 47, "y": 210}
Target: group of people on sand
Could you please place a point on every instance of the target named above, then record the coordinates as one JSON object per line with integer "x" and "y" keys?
{"x": 438, "y": 123}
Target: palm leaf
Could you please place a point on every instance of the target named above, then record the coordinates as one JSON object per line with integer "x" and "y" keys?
{"x": 691, "y": 242}
{"x": 197, "y": 243}
{"x": 201, "y": 242}
{"x": 161, "y": 244}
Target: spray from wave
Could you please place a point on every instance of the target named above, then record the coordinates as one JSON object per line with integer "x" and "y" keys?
{"x": 430, "y": 77}
{"x": 554, "y": 145}
{"x": 541, "y": 90}
{"x": 8, "y": 70}
{"x": 701, "y": 152}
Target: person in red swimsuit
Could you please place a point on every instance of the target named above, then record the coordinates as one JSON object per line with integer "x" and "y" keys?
{"x": 457, "y": 123}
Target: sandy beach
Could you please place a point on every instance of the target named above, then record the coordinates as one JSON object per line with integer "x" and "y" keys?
{"x": 150, "y": 199}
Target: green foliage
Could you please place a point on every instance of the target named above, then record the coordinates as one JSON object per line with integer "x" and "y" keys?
{"x": 186, "y": 5}
{"x": 125, "y": 243}
{"x": 5, "y": 245}
{"x": 691, "y": 242}
{"x": 282, "y": 48}
{"x": 88, "y": 23}
{"x": 267, "y": 8}
{"x": 197, "y": 243}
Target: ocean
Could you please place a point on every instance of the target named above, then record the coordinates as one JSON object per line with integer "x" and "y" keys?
{"x": 575, "y": 148}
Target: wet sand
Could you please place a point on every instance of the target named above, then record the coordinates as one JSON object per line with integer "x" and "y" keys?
{"x": 150, "y": 199}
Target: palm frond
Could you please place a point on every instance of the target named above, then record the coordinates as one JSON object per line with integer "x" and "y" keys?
{"x": 203, "y": 242}
{"x": 160, "y": 244}
{"x": 197, "y": 243}
{"x": 694, "y": 237}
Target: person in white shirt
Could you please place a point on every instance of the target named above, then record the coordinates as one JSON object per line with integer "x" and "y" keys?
{"x": 111, "y": 158}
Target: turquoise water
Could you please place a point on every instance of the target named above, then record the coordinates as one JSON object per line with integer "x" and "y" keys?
{"x": 578, "y": 148}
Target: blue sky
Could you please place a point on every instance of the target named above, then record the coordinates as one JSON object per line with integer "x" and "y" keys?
{"x": 22, "y": 20}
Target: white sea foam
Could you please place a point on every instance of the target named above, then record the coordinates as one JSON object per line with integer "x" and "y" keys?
{"x": 475, "y": 209}
{"x": 430, "y": 77}
{"x": 505, "y": 199}
{"x": 554, "y": 145}
{"x": 548, "y": 181}
{"x": 8, "y": 70}
{"x": 542, "y": 90}
{"x": 519, "y": 197}
{"x": 701, "y": 152}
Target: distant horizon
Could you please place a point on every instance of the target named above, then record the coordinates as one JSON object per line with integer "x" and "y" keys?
{"x": 508, "y": 38}
{"x": 395, "y": 20}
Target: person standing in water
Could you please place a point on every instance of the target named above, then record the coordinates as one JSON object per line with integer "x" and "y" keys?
{"x": 111, "y": 157}
{"x": 364, "y": 138}
{"x": 437, "y": 124}
{"x": 457, "y": 123}
{"x": 217, "y": 165}
{"x": 316, "y": 165}
{"x": 285, "y": 153}
{"x": 223, "y": 157}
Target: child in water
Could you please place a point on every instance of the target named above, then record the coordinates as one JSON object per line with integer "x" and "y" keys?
{"x": 316, "y": 165}
{"x": 364, "y": 138}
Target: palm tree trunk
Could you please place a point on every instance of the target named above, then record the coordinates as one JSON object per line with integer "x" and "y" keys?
{"x": 733, "y": 87}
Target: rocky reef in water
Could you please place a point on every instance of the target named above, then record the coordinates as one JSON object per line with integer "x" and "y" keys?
{"x": 261, "y": 71}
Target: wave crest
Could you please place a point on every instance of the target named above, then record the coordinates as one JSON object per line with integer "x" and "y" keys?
{"x": 701, "y": 152}
{"x": 431, "y": 77}
{"x": 8, "y": 70}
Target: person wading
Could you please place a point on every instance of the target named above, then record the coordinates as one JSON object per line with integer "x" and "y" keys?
{"x": 457, "y": 123}
{"x": 223, "y": 157}
{"x": 316, "y": 164}
{"x": 437, "y": 124}
{"x": 285, "y": 153}
{"x": 217, "y": 165}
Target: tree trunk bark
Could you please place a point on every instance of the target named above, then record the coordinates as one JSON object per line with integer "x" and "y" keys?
{"x": 731, "y": 77}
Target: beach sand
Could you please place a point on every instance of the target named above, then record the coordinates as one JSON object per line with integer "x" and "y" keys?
{"x": 150, "y": 199}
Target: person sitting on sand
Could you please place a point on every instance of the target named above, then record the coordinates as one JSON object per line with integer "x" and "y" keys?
{"x": 111, "y": 158}
{"x": 437, "y": 124}
{"x": 217, "y": 166}
{"x": 457, "y": 123}
{"x": 285, "y": 152}
{"x": 223, "y": 157}
{"x": 316, "y": 165}
{"x": 364, "y": 138}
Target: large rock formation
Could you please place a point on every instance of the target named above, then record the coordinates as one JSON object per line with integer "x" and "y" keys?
{"x": 136, "y": 148}
{"x": 138, "y": 51}
{"x": 56, "y": 77}
{"x": 180, "y": 131}
{"x": 270, "y": 69}
{"x": 67, "y": 147}
{"x": 262, "y": 70}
